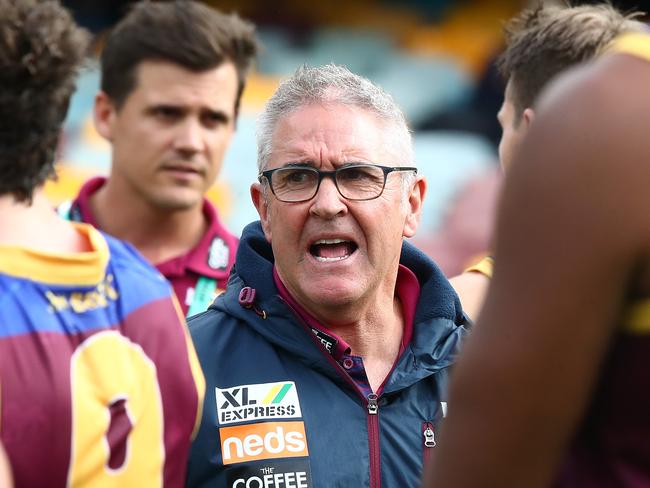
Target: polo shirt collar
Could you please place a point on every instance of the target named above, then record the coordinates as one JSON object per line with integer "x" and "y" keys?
{"x": 213, "y": 256}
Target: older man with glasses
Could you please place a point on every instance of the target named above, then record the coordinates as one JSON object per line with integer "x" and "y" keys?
{"x": 326, "y": 359}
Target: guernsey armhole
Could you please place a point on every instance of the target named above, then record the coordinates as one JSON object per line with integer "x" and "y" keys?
{"x": 636, "y": 319}
{"x": 485, "y": 267}
{"x": 634, "y": 43}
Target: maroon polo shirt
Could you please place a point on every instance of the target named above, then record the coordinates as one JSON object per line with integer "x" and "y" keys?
{"x": 212, "y": 258}
{"x": 407, "y": 289}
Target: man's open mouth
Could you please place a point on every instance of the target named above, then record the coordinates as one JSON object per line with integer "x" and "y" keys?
{"x": 328, "y": 250}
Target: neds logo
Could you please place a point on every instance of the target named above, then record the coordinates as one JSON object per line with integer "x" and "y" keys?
{"x": 257, "y": 402}
{"x": 267, "y": 440}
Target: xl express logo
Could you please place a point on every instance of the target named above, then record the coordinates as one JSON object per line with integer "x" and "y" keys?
{"x": 257, "y": 402}
{"x": 265, "y": 440}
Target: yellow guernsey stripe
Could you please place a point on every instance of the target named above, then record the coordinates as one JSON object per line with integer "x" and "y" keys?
{"x": 85, "y": 268}
{"x": 485, "y": 266}
{"x": 637, "y": 318}
{"x": 635, "y": 43}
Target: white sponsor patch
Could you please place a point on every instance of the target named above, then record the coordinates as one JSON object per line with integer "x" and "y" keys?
{"x": 257, "y": 402}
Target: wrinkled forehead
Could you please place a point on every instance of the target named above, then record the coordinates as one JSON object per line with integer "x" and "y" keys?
{"x": 335, "y": 133}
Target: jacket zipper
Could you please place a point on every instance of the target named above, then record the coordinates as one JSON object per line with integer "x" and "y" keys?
{"x": 373, "y": 441}
{"x": 372, "y": 405}
{"x": 429, "y": 440}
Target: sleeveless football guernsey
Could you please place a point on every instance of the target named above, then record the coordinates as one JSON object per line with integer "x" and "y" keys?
{"x": 99, "y": 381}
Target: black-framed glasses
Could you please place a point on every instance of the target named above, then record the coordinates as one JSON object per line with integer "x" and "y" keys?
{"x": 293, "y": 184}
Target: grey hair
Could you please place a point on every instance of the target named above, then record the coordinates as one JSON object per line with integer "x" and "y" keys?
{"x": 331, "y": 84}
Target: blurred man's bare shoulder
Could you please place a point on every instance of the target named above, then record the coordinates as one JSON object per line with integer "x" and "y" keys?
{"x": 599, "y": 114}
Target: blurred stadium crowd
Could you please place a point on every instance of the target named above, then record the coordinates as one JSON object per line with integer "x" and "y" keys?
{"x": 434, "y": 57}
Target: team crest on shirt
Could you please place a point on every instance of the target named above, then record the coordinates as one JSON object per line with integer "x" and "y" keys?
{"x": 219, "y": 254}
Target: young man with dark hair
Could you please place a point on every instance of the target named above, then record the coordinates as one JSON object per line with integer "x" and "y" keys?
{"x": 172, "y": 78}
{"x": 540, "y": 43}
{"x": 99, "y": 383}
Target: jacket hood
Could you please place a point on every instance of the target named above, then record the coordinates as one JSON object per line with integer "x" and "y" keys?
{"x": 252, "y": 297}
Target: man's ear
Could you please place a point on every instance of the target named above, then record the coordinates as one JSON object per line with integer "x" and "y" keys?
{"x": 528, "y": 116}
{"x": 414, "y": 206}
{"x": 260, "y": 200}
{"x": 104, "y": 115}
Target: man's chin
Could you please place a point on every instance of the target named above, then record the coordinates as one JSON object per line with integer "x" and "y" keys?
{"x": 334, "y": 298}
{"x": 177, "y": 202}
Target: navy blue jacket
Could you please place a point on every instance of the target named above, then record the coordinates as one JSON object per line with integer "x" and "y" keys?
{"x": 280, "y": 412}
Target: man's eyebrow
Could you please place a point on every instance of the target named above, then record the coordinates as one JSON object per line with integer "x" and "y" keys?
{"x": 165, "y": 106}
{"x": 219, "y": 115}
{"x": 354, "y": 163}
{"x": 298, "y": 164}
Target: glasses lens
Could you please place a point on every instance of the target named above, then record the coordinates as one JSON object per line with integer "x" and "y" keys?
{"x": 362, "y": 182}
{"x": 295, "y": 184}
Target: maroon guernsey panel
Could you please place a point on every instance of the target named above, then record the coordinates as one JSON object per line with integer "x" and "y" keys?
{"x": 612, "y": 447}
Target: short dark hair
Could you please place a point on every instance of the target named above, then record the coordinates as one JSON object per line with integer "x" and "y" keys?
{"x": 41, "y": 50}
{"x": 542, "y": 42}
{"x": 184, "y": 32}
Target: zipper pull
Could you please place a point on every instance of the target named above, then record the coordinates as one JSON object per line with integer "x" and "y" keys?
{"x": 429, "y": 437}
{"x": 373, "y": 406}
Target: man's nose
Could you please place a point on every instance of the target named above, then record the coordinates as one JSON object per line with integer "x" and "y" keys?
{"x": 328, "y": 202}
{"x": 189, "y": 136}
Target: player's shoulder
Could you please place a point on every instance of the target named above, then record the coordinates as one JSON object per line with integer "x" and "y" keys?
{"x": 587, "y": 153}
{"x": 597, "y": 112}
{"x": 131, "y": 266}
{"x": 138, "y": 283}
{"x": 612, "y": 86}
